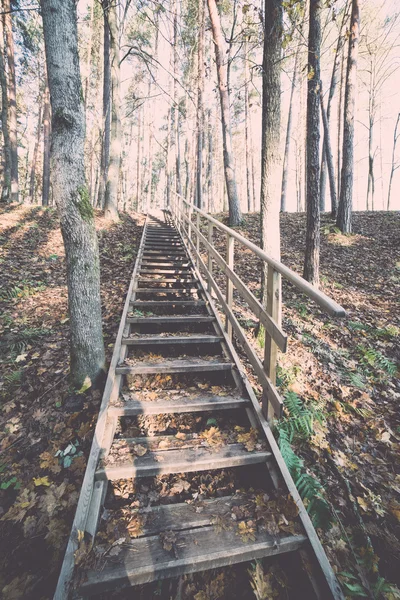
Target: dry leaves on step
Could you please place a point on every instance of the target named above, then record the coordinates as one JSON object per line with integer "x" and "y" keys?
{"x": 246, "y": 531}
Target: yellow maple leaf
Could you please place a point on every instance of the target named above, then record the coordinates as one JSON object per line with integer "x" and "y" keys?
{"x": 38, "y": 481}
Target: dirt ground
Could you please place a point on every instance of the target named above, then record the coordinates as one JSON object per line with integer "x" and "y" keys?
{"x": 347, "y": 369}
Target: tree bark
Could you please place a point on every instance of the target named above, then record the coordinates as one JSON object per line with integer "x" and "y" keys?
{"x": 271, "y": 157}
{"x": 6, "y": 188}
{"x": 12, "y": 100}
{"x": 343, "y": 221}
{"x": 235, "y": 214}
{"x": 111, "y": 194}
{"x": 46, "y": 147}
{"x": 70, "y": 191}
{"x": 89, "y": 54}
{"x": 289, "y": 126}
{"x": 311, "y": 261}
{"x": 105, "y": 142}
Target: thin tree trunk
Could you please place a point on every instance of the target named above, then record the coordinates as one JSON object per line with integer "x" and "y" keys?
{"x": 289, "y": 126}
{"x": 210, "y": 162}
{"x": 340, "y": 130}
{"x": 89, "y": 54}
{"x": 394, "y": 167}
{"x": 271, "y": 158}
{"x": 105, "y": 142}
{"x": 200, "y": 107}
{"x": 46, "y": 147}
{"x": 36, "y": 150}
{"x": 332, "y": 89}
{"x": 70, "y": 191}
{"x": 346, "y": 187}
{"x": 311, "y": 261}
{"x": 12, "y": 100}
{"x": 235, "y": 215}
{"x": 112, "y": 185}
{"x": 246, "y": 127}
{"x": 328, "y": 152}
{"x": 138, "y": 161}
{"x": 6, "y": 188}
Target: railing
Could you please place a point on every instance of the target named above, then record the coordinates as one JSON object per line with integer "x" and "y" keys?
{"x": 270, "y": 316}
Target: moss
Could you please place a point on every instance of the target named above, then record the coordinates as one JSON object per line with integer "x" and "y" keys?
{"x": 84, "y": 206}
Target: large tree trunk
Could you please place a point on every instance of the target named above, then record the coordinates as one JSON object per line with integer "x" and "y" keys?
{"x": 271, "y": 156}
{"x": 36, "y": 149}
{"x": 105, "y": 141}
{"x": 46, "y": 147}
{"x": 70, "y": 192}
{"x": 311, "y": 261}
{"x": 200, "y": 107}
{"x": 111, "y": 195}
{"x": 235, "y": 214}
{"x": 289, "y": 124}
{"x": 6, "y": 188}
{"x": 12, "y": 100}
{"x": 346, "y": 187}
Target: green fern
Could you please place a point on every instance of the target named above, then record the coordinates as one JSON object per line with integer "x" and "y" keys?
{"x": 375, "y": 359}
{"x": 19, "y": 341}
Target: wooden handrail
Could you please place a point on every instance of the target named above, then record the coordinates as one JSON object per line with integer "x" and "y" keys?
{"x": 331, "y": 307}
{"x": 269, "y": 316}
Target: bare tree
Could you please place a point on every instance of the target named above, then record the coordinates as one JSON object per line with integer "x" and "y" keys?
{"x": 6, "y": 189}
{"x": 395, "y": 165}
{"x": 235, "y": 214}
{"x": 70, "y": 191}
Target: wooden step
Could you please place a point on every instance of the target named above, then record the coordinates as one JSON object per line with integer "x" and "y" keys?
{"x": 172, "y": 339}
{"x": 184, "y": 319}
{"x": 162, "y": 406}
{"x": 188, "y": 290}
{"x": 145, "y": 305}
{"x": 179, "y": 365}
{"x": 168, "y": 280}
{"x": 179, "y": 461}
{"x": 170, "y": 252}
{"x": 162, "y": 263}
{"x": 173, "y": 271}
{"x": 197, "y": 546}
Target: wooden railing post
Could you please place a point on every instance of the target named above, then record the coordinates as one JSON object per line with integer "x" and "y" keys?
{"x": 209, "y": 261}
{"x": 274, "y": 309}
{"x": 230, "y": 245}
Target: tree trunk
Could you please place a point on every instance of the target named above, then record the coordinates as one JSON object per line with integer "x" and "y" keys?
{"x": 311, "y": 261}
{"x": 105, "y": 142}
{"x": 346, "y": 187}
{"x": 235, "y": 215}
{"x": 271, "y": 158}
{"x": 46, "y": 147}
{"x": 289, "y": 126}
{"x": 70, "y": 191}
{"x": 12, "y": 100}
{"x": 200, "y": 107}
{"x": 328, "y": 152}
{"x": 394, "y": 167}
{"x": 6, "y": 189}
{"x": 36, "y": 149}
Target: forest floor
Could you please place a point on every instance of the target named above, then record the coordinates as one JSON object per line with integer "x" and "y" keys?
{"x": 344, "y": 372}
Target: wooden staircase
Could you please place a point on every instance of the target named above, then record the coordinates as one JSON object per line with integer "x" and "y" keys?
{"x": 170, "y": 329}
